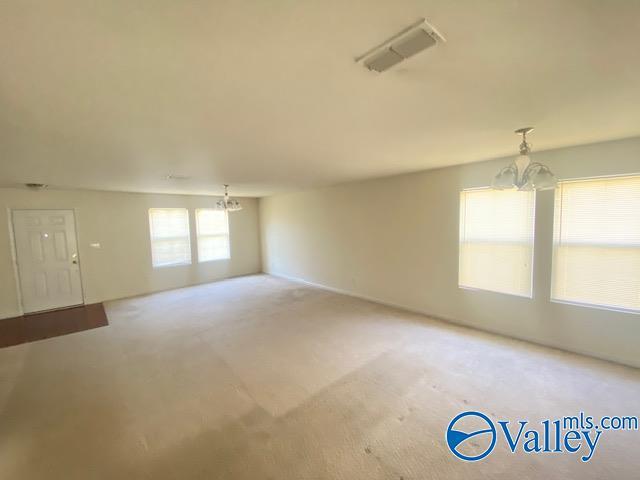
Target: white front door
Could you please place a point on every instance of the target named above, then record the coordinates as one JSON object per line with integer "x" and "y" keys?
{"x": 47, "y": 255}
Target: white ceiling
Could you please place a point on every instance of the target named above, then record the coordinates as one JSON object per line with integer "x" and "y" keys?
{"x": 265, "y": 94}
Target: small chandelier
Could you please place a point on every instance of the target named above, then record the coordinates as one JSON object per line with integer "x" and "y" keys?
{"x": 228, "y": 204}
{"x": 524, "y": 174}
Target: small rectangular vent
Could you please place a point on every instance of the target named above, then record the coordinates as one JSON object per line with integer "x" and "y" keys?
{"x": 384, "y": 60}
{"x": 406, "y": 43}
{"x": 413, "y": 43}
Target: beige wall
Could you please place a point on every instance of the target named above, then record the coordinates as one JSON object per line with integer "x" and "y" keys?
{"x": 119, "y": 222}
{"x": 396, "y": 240}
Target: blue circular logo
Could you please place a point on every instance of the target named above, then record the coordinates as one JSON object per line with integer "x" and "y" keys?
{"x": 457, "y": 438}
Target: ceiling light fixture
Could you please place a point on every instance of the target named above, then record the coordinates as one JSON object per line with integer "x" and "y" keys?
{"x": 522, "y": 173}
{"x": 228, "y": 204}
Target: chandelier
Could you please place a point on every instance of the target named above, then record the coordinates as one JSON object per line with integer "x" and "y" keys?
{"x": 522, "y": 173}
{"x": 228, "y": 204}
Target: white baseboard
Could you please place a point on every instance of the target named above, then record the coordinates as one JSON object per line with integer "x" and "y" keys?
{"x": 5, "y": 315}
{"x": 457, "y": 323}
{"x": 362, "y": 297}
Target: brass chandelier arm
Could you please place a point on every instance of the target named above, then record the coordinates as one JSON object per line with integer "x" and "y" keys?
{"x": 511, "y": 166}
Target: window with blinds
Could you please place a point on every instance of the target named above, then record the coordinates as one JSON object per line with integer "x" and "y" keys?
{"x": 170, "y": 240}
{"x": 496, "y": 240}
{"x": 213, "y": 234}
{"x": 596, "y": 255}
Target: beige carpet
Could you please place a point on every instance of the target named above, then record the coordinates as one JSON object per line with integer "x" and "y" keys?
{"x": 261, "y": 378}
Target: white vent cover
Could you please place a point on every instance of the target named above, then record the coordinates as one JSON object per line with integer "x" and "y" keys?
{"x": 404, "y": 44}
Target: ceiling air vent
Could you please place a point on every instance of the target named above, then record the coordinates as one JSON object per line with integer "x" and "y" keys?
{"x": 36, "y": 186}
{"x": 404, "y": 44}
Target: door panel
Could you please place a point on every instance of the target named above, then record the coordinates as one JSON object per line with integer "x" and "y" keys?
{"x": 37, "y": 252}
{"x": 46, "y": 251}
{"x": 60, "y": 245}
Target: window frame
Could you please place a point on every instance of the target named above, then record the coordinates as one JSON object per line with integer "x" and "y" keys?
{"x": 530, "y": 295}
{"x": 556, "y": 215}
{"x": 153, "y": 239}
{"x": 227, "y": 235}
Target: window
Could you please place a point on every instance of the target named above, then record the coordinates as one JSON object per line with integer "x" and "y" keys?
{"x": 596, "y": 247}
{"x": 170, "y": 240}
{"x": 213, "y": 234}
{"x": 496, "y": 240}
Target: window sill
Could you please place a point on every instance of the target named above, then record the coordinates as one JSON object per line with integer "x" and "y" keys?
{"x": 214, "y": 260}
{"x": 596, "y": 306}
{"x": 172, "y": 265}
{"x": 476, "y": 289}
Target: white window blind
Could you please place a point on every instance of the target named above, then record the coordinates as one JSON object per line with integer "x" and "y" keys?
{"x": 213, "y": 234}
{"x": 496, "y": 240}
{"x": 170, "y": 240}
{"x": 597, "y": 242}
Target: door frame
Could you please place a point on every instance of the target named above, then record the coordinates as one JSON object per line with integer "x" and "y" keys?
{"x": 14, "y": 255}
